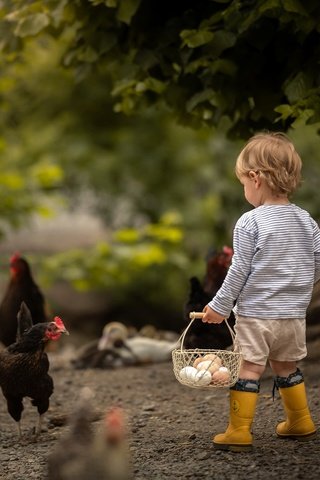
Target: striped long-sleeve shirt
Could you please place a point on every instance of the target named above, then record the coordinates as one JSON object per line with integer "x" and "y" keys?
{"x": 275, "y": 264}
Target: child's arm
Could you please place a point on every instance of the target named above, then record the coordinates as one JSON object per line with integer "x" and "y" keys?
{"x": 236, "y": 278}
{"x": 316, "y": 252}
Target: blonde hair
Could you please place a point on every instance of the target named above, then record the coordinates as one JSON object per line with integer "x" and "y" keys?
{"x": 274, "y": 157}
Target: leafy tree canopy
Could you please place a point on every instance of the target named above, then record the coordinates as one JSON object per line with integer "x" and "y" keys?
{"x": 254, "y": 62}
{"x": 130, "y": 169}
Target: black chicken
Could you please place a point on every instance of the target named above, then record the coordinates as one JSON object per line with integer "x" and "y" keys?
{"x": 202, "y": 335}
{"x": 21, "y": 288}
{"x": 218, "y": 264}
{"x": 24, "y": 366}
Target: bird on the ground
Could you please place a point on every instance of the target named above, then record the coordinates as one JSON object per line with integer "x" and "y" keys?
{"x": 117, "y": 348}
{"x": 20, "y": 288}
{"x": 24, "y": 367}
{"x": 136, "y": 350}
{"x": 74, "y": 445}
{"x": 87, "y": 453}
{"x": 202, "y": 335}
{"x": 151, "y": 331}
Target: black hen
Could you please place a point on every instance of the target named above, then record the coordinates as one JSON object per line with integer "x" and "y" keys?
{"x": 24, "y": 367}
{"x": 202, "y": 335}
{"x": 21, "y": 288}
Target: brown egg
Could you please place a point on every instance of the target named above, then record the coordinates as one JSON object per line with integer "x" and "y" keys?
{"x": 221, "y": 376}
{"x": 210, "y": 356}
{"x": 197, "y": 361}
{"x": 214, "y": 367}
{"x": 218, "y": 361}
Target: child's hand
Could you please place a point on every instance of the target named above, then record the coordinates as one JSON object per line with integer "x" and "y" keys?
{"x": 211, "y": 316}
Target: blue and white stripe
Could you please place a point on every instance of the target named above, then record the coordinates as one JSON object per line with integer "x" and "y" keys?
{"x": 275, "y": 264}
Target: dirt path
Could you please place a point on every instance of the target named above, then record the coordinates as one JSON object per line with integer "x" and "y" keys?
{"x": 170, "y": 427}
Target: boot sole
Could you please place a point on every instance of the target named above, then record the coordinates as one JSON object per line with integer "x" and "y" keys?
{"x": 232, "y": 448}
{"x": 300, "y": 438}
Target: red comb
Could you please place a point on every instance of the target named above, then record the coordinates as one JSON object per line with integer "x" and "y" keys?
{"x": 114, "y": 416}
{"x": 15, "y": 256}
{"x": 115, "y": 425}
{"x": 227, "y": 250}
{"x": 59, "y": 322}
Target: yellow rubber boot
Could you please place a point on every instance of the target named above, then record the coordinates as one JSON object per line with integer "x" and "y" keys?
{"x": 299, "y": 424}
{"x": 238, "y": 437}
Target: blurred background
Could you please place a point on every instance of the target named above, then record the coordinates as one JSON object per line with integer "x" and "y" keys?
{"x": 114, "y": 212}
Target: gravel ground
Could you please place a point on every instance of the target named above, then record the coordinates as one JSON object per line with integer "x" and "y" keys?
{"x": 170, "y": 426}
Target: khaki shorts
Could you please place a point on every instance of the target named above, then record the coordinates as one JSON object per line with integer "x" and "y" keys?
{"x": 261, "y": 339}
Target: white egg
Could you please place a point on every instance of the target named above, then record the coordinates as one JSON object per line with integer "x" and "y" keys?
{"x": 188, "y": 373}
{"x": 223, "y": 369}
{"x": 203, "y": 377}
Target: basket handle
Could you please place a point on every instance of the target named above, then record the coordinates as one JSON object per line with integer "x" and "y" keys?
{"x": 195, "y": 315}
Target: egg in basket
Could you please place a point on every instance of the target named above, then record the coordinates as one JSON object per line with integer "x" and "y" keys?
{"x": 206, "y": 368}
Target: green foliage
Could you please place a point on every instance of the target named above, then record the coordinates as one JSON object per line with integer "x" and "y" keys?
{"x": 138, "y": 167}
{"x": 132, "y": 263}
{"x": 247, "y": 61}
{"x": 23, "y": 192}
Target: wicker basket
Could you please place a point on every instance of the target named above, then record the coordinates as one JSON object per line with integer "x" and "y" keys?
{"x": 206, "y": 368}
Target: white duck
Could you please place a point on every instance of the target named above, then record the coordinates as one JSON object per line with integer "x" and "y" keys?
{"x": 135, "y": 350}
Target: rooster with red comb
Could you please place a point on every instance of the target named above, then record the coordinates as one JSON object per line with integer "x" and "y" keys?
{"x": 21, "y": 288}
{"x": 24, "y": 366}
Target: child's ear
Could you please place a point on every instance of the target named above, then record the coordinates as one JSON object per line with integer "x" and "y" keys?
{"x": 253, "y": 175}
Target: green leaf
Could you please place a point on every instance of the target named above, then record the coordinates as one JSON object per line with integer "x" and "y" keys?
{"x": 196, "y": 38}
{"x": 151, "y": 84}
{"x": 207, "y": 95}
{"x": 285, "y": 110}
{"x": 45, "y": 211}
{"x": 147, "y": 255}
{"x": 303, "y": 117}
{"x": 294, "y": 6}
{"x": 122, "y": 86}
{"x": 224, "y": 66}
{"x": 164, "y": 233}
{"x": 256, "y": 13}
{"x": 103, "y": 248}
{"x": 13, "y": 181}
{"x": 108, "y": 3}
{"x": 222, "y": 40}
{"x": 32, "y": 25}
{"x": 63, "y": 12}
{"x": 88, "y": 55}
{"x": 128, "y": 235}
{"x": 297, "y": 87}
{"x": 127, "y": 9}
{"x": 200, "y": 63}
{"x": 48, "y": 175}
{"x": 269, "y": 5}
